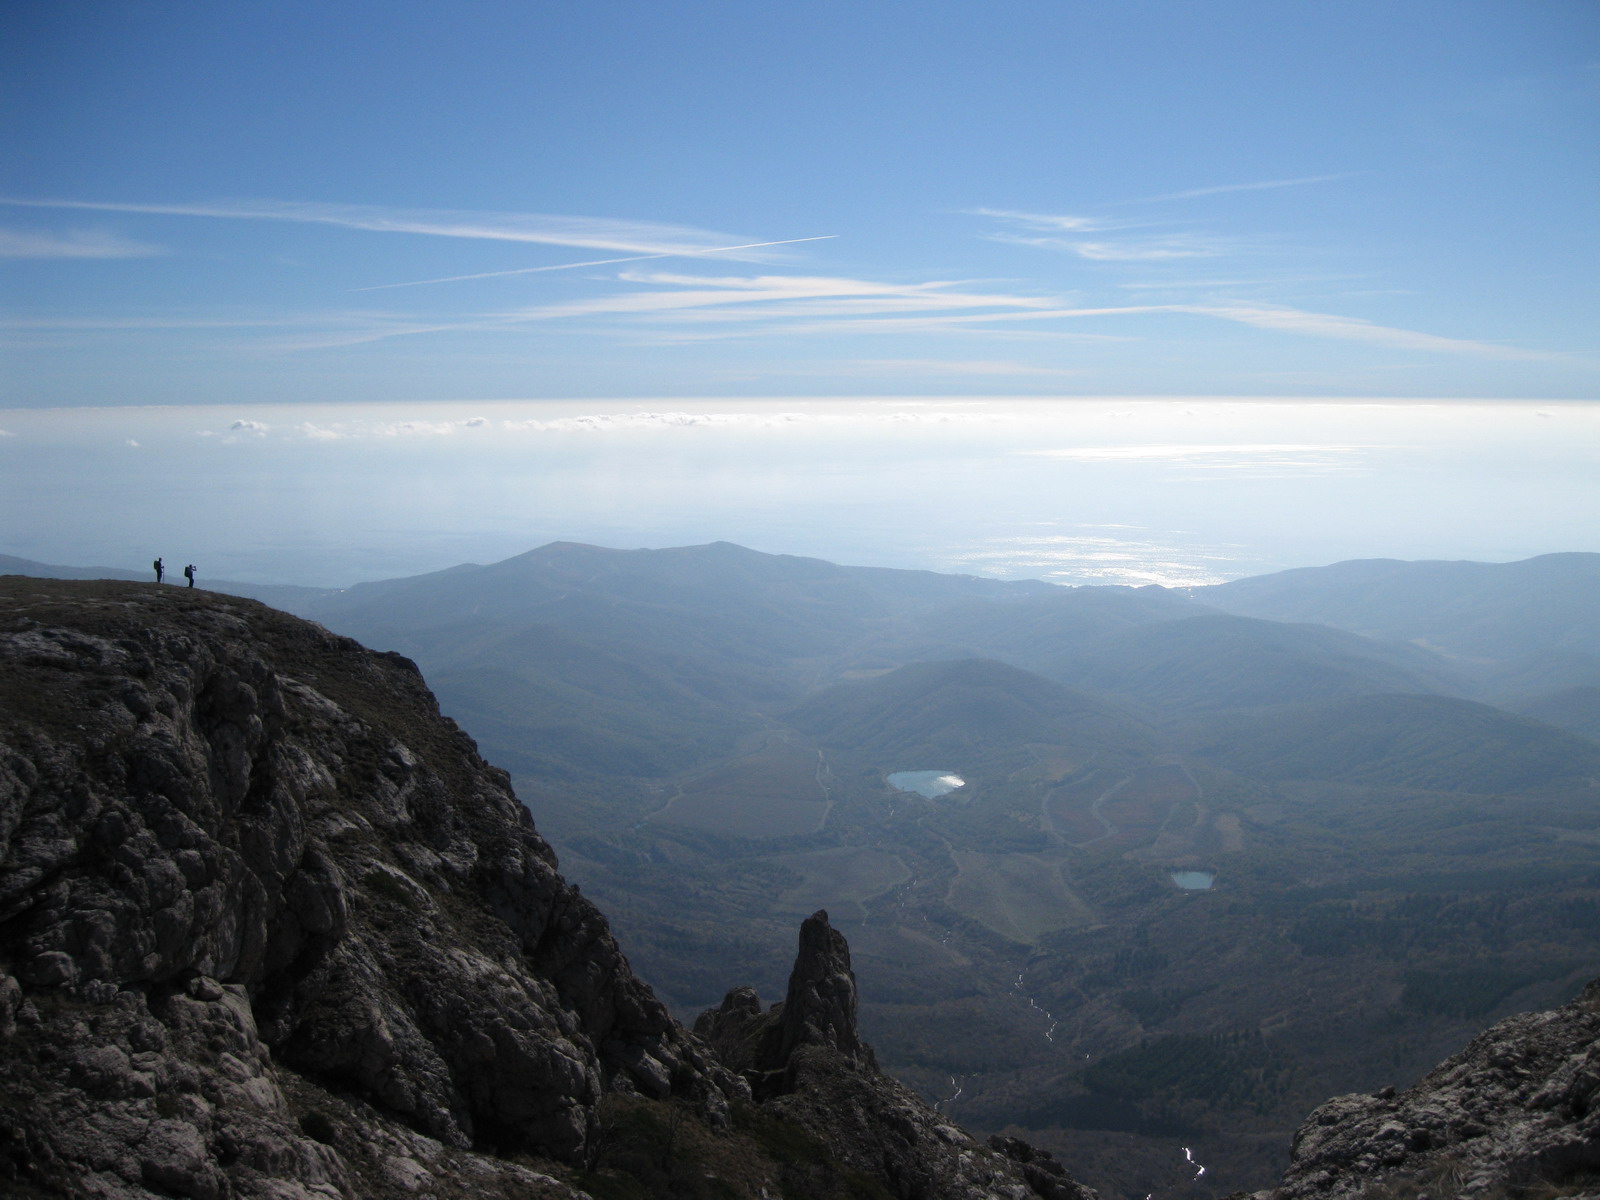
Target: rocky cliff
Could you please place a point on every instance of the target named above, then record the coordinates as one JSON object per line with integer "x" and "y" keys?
{"x": 1515, "y": 1115}
{"x": 805, "y": 1060}
{"x": 269, "y": 927}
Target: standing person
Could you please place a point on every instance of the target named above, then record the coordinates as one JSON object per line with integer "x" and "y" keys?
{"x": 188, "y": 573}
{"x": 161, "y": 569}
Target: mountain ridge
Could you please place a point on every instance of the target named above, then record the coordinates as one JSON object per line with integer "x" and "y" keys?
{"x": 1450, "y": 604}
{"x": 270, "y": 926}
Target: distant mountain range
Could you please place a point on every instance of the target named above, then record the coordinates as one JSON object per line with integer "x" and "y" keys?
{"x": 575, "y": 661}
{"x": 1479, "y": 610}
{"x": 1485, "y": 612}
{"x": 1432, "y": 742}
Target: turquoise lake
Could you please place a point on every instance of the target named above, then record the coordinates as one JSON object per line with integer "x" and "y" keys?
{"x": 931, "y": 784}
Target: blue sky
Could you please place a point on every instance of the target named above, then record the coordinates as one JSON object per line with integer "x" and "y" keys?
{"x": 213, "y": 202}
{"x": 648, "y": 218}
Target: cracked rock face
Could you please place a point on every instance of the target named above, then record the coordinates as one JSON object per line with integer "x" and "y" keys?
{"x": 269, "y": 925}
{"x": 820, "y": 1007}
{"x": 1516, "y": 1113}
{"x": 819, "y": 1010}
{"x": 804, "y": 1058}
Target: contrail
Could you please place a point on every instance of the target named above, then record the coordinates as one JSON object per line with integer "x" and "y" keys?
{"x": 598, "y": 262}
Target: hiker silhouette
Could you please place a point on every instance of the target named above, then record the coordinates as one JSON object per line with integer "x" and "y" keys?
{"x": 161, "y": 569}
{"x": 188, "y": 573}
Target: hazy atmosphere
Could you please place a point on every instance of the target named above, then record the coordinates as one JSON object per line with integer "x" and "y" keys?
{"x": 1144, "y": 293}
{"x": 1088, "y": 490}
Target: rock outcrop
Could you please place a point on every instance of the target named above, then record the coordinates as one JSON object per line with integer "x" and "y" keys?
{"x": 819, "y": 1010}
{"x": 269, "y": 927}
{"x": 805, "y": 1059}
{"x": 1515, "y": 1114}
{"x": 233, "y": 840}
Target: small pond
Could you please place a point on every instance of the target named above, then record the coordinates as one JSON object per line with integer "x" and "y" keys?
{"x": 931, "y": 784}
{"x": 1194, "y": 881}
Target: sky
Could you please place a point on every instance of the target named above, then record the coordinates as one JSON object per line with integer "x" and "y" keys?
{"x": 250, "y": 254}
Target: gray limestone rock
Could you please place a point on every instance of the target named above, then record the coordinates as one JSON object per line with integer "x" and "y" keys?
{"x": 234, "y": 848}
{"x": 804, "y": 1059}
{"x": 1516, "y": 1113}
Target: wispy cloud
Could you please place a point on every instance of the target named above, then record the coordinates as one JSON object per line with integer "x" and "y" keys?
{"x": 597, "y": 262}
{"x": 140, "y": 323}
{"x": 1049, "y": 232}
{"x": 1279, "y": 281}
{"x": 1147, "y": 250}
{"x": 810, "y": 304}
{"x": 1001, "y": 310}
{"x": 593, "y": 233}
{"x": 280, "y": 332}
{"x": 1101, "y": 240}
{"x": 75, "y": 243}
{"x": 1046, "y": 222}
{"x": 1262, "y": 185}
{"x": 943, "y": 366}
{"x": 830, "y": 295}
{"x": 753, "y": 300}
{"x": 1315, "y": 324}
{"x": 678, "y": 306}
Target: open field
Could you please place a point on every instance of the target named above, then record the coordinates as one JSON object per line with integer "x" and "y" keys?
{"x": 775, "y": 791}
{"x": 1147, "y": 802}
{"x": 1051, "y": 764}
{"x": 1128, "y": 811}
{"x": 840, "y": 880}
{"x": 1069, "y": 811}
{"x": 1019, "y": 896}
